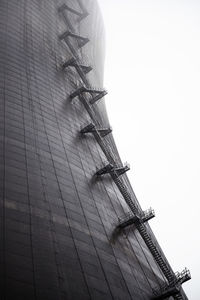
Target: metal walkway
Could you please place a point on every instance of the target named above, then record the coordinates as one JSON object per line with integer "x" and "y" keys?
{"x": 88, "y": 96}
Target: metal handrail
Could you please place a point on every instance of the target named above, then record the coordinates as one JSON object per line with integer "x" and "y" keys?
{"x": 111, "y": 157}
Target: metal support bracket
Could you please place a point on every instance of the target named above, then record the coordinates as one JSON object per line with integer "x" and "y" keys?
{"x": 130, "y": 218}
{"x": 105, "y": 170}
{"x": 73, "y": 63}
{"x": 91, "y": 129}
{"x": 109, "y": 168}
{"x": 174, "y": 287}
{"x": 96, "y": 94}
{"x": 81, "y": 15}
{"x": 121, "y": 170}
{"x": 104, "y": 131}
{"x": 86, "y": 69}
{"x": 168, "y": 293}
{"x": 82, "y": 41}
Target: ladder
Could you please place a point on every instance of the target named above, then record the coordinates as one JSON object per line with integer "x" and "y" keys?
{"x": 138, "y": 217}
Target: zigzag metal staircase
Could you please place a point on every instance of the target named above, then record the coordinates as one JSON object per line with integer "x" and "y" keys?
{"x": 137, "y": 216}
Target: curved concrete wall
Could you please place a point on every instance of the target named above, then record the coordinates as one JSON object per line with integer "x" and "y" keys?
{"x": 57, "y": 220}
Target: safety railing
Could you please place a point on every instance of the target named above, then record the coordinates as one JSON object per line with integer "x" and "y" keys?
{"x": 112, "y": 167}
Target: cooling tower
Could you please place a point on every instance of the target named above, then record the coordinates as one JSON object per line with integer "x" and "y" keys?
{"x": 71, "y": 226}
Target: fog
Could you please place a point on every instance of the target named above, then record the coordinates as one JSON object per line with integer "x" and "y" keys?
{"x": 152, "y": 73}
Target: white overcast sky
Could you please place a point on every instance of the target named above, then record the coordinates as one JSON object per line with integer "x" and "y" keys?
{"x": 152, "y": 73}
